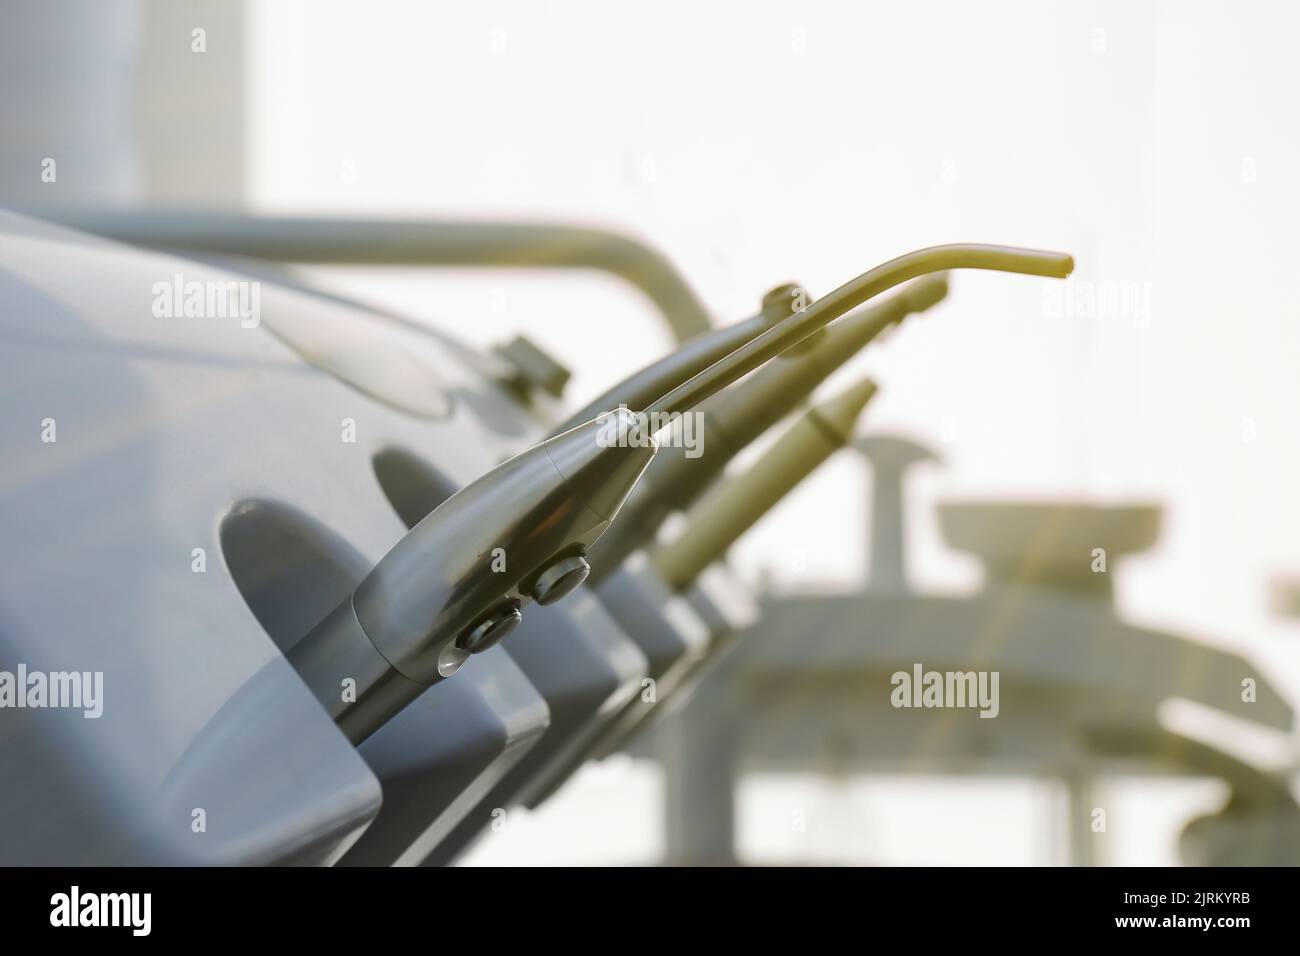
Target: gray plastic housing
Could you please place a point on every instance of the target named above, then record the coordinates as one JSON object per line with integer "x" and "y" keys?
{"x": 664, "y": 626}
{"x": 441, "y": 755}
{"x": 587, "y": 669}
{"x": 129, "y": 438}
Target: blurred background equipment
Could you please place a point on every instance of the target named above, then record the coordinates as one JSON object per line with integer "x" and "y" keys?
{"x": 1079, "y": 689}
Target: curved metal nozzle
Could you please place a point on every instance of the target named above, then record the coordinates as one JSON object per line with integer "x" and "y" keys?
{"x": 736, "y": 416}
{"x": 825, "y": 310}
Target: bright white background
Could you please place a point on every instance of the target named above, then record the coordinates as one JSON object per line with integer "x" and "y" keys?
{"x": 760, "y": 142}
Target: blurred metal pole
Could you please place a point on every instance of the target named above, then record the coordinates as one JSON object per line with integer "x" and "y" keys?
{"x": 66, "y": 102}
{"x": 527, "y": 245}
{"x": 191, "y": 102}
{"x": 1085, "y": 845}
{"x": 890, "y": 459}
{"x": 698, "y": 751}
{"x": 122, "y": 102}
